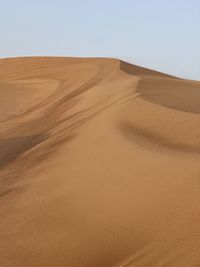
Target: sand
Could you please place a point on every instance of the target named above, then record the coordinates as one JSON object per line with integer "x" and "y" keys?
{"x": 99, "y": 165}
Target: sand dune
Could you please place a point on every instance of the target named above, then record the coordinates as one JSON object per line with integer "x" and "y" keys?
{"x": 99, "y": 165}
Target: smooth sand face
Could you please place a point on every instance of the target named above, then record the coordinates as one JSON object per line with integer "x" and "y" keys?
{"x": 100, "y": 165}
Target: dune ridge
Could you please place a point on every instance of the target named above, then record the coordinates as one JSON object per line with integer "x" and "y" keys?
{"x": 99, "y": 164}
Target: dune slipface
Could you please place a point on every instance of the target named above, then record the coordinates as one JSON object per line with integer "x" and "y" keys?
{"x": 99, "y": 165}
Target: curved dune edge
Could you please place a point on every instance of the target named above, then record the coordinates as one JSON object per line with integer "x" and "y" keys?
{"x": 99, "y": 164}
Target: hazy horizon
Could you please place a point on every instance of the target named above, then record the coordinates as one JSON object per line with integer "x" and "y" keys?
{"x": 161, "y": 36}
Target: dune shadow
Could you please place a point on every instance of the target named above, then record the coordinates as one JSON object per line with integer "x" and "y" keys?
{"x": 174, "y": 94}
{"x": 12, "y": 148}
{"x": 138, "y": 70}
{"x": 154, "y": 141}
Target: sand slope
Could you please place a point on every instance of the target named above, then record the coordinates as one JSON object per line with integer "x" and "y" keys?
{"x": 99, "y": 165}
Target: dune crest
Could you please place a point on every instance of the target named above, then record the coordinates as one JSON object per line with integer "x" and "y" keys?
{"x": 99, "y": 164}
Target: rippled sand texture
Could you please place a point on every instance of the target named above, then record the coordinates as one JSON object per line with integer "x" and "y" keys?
{"x": 99, "y": 165}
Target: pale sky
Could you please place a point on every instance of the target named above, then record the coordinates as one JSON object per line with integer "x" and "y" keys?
{"x": 159, "y": 34}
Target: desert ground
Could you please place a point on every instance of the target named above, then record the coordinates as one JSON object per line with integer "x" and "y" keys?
{"x": 99, "y": 165}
